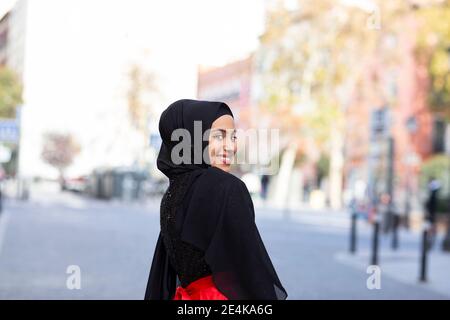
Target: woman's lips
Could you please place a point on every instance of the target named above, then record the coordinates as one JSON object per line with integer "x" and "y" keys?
{"x": 224, "y": 159}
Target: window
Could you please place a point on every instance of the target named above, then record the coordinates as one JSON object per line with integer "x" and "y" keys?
{"x": 438, "y": 136}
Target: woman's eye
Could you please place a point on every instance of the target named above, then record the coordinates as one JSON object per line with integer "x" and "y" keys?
{"x": 218, "y": 137}
{"x": 233, "y": 138}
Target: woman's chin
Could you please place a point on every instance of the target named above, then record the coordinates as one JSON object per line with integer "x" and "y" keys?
{"x": 224, "y": 167}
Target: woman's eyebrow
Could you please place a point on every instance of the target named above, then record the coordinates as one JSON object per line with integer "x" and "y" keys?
{"x": 224, "y": 130}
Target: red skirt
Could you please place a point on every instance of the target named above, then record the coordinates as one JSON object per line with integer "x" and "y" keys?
{"x": 201, "y": 289}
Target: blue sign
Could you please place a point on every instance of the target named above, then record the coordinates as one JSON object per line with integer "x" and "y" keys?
{"x": 9, "y": 131}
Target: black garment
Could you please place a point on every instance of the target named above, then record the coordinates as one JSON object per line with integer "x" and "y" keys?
{"x": 431, "y": 205}
{"x": 214, "y": 213}
{"x": 188, "y": 261}
{"x": 182, "y": 114}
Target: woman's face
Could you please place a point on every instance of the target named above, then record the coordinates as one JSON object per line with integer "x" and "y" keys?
{"x": 222, "y": 142}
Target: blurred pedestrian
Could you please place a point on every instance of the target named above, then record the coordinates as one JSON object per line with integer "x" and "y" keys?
{"x": 2, "y": 178}
{"x": 431, "y": 207}
{"x": 264, "y": 185}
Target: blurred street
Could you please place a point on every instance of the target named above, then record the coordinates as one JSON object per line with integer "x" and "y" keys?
{"x": 340, "y": 122}
{"x": 113, "y": 243}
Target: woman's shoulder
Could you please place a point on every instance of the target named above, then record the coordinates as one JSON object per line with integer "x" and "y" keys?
{"x": 222, "y": 179}
{"x": 230, "y": 188}
{"x": 213, "y": 180}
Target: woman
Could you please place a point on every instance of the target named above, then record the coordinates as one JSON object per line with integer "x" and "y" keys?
{"x": 209, "y": 241}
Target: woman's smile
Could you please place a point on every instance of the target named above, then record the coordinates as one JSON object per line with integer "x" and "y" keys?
{"x": 222, "y": 142}
{"x": 225, "y": 158}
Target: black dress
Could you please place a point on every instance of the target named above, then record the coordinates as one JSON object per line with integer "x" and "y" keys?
{"x": 187, "y": 260}
{"x": 208, "y": 220}
{"x": 207, "y": 216}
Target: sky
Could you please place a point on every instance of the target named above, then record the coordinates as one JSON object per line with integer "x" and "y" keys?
{"x": 79, "y": 50}
{"x": 218, "y": 31}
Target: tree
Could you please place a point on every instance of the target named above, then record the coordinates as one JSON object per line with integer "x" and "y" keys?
{"x": 311, "y": 58}
{"x": 10, "y": 93}
{"x": 315, "y": 54}
{"x": 59, "y": 151}
{"x": 10, "y": 98}
{"x": 141, "y": 85}
{"x": 433, "y": 49}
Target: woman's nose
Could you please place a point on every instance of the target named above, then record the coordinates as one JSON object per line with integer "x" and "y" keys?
{"x": 228, "y": 145}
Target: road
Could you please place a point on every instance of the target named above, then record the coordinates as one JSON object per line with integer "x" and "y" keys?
{"x": 112, "y": 244}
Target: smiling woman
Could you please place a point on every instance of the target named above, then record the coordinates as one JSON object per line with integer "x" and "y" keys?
{"x": 209, "y": 241}
{"x": 222, "y": 142}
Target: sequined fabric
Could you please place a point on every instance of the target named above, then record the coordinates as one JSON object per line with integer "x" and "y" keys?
{"x": 187, "y": 260}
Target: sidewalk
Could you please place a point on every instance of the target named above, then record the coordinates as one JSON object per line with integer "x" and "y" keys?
{"x": 304, "y": 214}
{"x": 403, "y": 265}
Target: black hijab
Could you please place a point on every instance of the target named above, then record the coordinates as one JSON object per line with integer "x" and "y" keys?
{"x": 182, "y": 114}
{"x": 215, "y": 214}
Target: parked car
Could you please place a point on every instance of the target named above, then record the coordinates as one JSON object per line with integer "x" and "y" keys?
{"x": 120, "y": 182}
{"x": 75, "y": 184}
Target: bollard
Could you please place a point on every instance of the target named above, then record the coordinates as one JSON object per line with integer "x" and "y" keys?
{"x": 394, "y": 243}
{"x": 376, "y": 231}
{"x": 424, "y": 252}
{"x": 353, "y": 232}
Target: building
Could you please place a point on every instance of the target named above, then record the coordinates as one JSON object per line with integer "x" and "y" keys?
{"x": 230, "y": 83}
{"x": 74, "y": 60}
{"x": 400, "y": 88}
{"x": 3, "y": 38}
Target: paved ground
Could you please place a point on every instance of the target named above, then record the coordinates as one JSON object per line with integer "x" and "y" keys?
{"x": 113, "y": 243}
